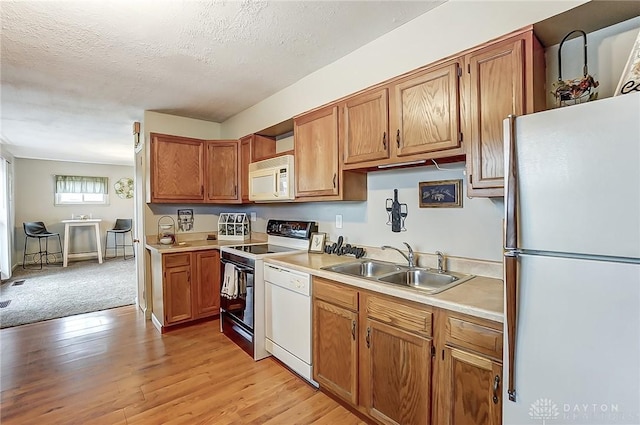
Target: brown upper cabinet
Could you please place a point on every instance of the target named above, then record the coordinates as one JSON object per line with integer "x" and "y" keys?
{"x": 253, "y": 147}
{"x": 222, "y": 171}
{"x": 177, "y": 169}
{"x": 318, "y": 171}
{"x": 365, "y": 127}
{"x": 504, "y": 77}
{"x": 414, "y": 117}
{"x": 186, "y": 170}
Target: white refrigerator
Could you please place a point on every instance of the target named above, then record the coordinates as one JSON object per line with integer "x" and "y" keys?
{"x": 572, "y": 265}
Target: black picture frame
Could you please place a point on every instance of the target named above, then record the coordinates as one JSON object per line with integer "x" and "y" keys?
{"x": 440, "y": 194}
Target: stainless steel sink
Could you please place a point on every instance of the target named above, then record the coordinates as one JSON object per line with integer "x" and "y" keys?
{"x": 425, "y": 280}
{"x": 365, "y": 268}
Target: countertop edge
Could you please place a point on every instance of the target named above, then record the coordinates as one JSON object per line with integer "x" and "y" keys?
{"x": 406, "y": 294}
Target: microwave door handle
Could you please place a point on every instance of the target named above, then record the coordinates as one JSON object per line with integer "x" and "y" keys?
{"x": 276, "y": 182}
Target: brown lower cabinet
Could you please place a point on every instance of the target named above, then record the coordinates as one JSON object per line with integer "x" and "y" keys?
{"x": 186, "y": 286}
{"x": 400, "y": 362}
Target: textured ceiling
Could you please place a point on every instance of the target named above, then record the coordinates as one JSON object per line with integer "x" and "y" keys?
{"x": 76, "y": 74}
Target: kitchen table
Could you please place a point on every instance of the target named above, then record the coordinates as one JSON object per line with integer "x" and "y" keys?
{"x": 95, "y": 222}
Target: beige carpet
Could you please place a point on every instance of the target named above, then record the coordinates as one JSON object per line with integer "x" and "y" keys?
{"x": 55, "y": 291}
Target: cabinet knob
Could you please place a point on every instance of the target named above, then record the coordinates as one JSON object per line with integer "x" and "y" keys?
{"x": 398, "y": 138}
{"x": 384, "y": 140}
{"x": 335, "y": 175}
{"x": 368, "y": 337}
{"x": 353, "y": 329}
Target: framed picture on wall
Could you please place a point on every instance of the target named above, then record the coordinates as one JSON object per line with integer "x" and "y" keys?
{"x": 440, "y": 194}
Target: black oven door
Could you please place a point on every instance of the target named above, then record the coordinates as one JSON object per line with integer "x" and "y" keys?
{"x": 240, "y": 309}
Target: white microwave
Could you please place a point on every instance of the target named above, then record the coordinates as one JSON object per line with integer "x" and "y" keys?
{"x": 271, "y": 180}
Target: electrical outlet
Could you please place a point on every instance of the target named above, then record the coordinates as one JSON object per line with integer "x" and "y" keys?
{"x": 253, "y": 216}
{"x": 338, "y": 221}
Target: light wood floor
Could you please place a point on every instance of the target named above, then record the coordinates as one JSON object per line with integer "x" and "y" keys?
{"x": 112, "y": 367}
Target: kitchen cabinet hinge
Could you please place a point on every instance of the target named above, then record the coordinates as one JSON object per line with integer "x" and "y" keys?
{"x": 471, "y": 179}
{"x": 433, "y": 351}
{"x": 459, "y": 72}
{"x": 460, "y": 136}
{"x": 469, "y": 68}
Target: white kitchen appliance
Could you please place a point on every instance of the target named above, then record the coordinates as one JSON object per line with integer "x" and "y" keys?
{"x": 271, "y": 180}
{"x": 572, "y": 265}
{"x": 288, "y": 318}
{"x": 242, "y": 318}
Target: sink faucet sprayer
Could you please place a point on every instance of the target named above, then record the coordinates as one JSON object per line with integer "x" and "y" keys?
{"x": 409, "y": 257}
{"x": 441, "y": 268}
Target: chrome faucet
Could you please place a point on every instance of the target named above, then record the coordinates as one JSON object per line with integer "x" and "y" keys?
{"x": 408, "y": 257}
{"x": 440, "y": 262}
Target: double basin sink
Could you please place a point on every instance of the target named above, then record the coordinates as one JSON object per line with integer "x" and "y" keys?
{"x": 426, "y": 280}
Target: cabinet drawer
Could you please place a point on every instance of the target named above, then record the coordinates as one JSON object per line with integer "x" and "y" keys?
{"x": 474, "y": 336}
{"x": 398, "y": 314}
{"x": 335, "y": 293}
{"x": 176, "y": 260}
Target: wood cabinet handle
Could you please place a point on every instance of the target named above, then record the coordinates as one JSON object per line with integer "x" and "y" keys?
{"x": 235, "y": 190}
{"x": 335, "y": 176}
{"x": 398, "y": 137}
{"x": 353, "y": 329}
{"x": 496, "y": 385}
{"x": 368, "y": 337}
{"x": 384, "y": 140}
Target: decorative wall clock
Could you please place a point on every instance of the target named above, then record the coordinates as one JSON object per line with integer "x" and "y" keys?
{"x": 124, "y": 188}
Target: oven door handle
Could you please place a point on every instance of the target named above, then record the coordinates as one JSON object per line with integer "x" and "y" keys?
{"x": 239, "y": 267}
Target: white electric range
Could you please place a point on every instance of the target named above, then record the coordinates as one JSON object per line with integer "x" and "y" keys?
{"x": 242, "y": 317}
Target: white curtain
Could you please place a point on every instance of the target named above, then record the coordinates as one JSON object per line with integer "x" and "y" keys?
{"x": 82, "y": 184}
{"x": 5, "y": 219}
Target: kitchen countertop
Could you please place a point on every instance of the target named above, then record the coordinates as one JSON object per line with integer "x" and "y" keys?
{"x": 198, "y": 245}
{"x": 480, "y": 296}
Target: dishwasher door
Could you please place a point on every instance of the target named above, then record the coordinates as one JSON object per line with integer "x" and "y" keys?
{"x": 288, "y": 317}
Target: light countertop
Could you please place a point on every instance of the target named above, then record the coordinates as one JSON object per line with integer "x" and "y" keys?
{"x": 480, "y": 296}
{"x": 197, "y": 245}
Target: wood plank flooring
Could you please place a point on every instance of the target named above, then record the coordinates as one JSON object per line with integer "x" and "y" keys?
{"x": 113, "y": 367}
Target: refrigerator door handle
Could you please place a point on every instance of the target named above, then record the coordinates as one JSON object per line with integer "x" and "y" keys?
{"x": 511, "y": 194}
{"x": 511, "y": 300}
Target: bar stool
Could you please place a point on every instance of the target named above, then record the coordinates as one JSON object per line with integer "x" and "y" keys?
{"x": 122, "y": 226}
{"x": 37, "y": 230}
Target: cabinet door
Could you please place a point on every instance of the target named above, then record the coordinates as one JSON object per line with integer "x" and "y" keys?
{"x": 177, "y": 290}
{"x": 316, "y": 153}
{"x": 473, "y": 389}
{"x": 245, "y": 160}
{"x": 177, "y": 169}
{"x": 206, "y": 292}
{"x": 426, "y": 111}
{"x": 335, "y": 350}
{"x": 365, "y": 127}
{"x": 222, "y": 170}
{"x": 496, "y": 89}
{"x": 399, "y": 381}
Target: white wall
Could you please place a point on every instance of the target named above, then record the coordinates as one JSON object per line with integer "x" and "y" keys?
{"x": 34, "y": 200}
{"x": 473, "y": 231}
{"x": 449, "y": 28}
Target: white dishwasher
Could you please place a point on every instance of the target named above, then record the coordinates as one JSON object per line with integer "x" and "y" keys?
{"x": 288, "y": 318}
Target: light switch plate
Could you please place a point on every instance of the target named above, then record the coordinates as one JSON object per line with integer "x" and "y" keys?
{"x": 338, "y": 221}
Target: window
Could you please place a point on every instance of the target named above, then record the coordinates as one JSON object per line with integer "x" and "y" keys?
{"x": 72, "y": 190}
